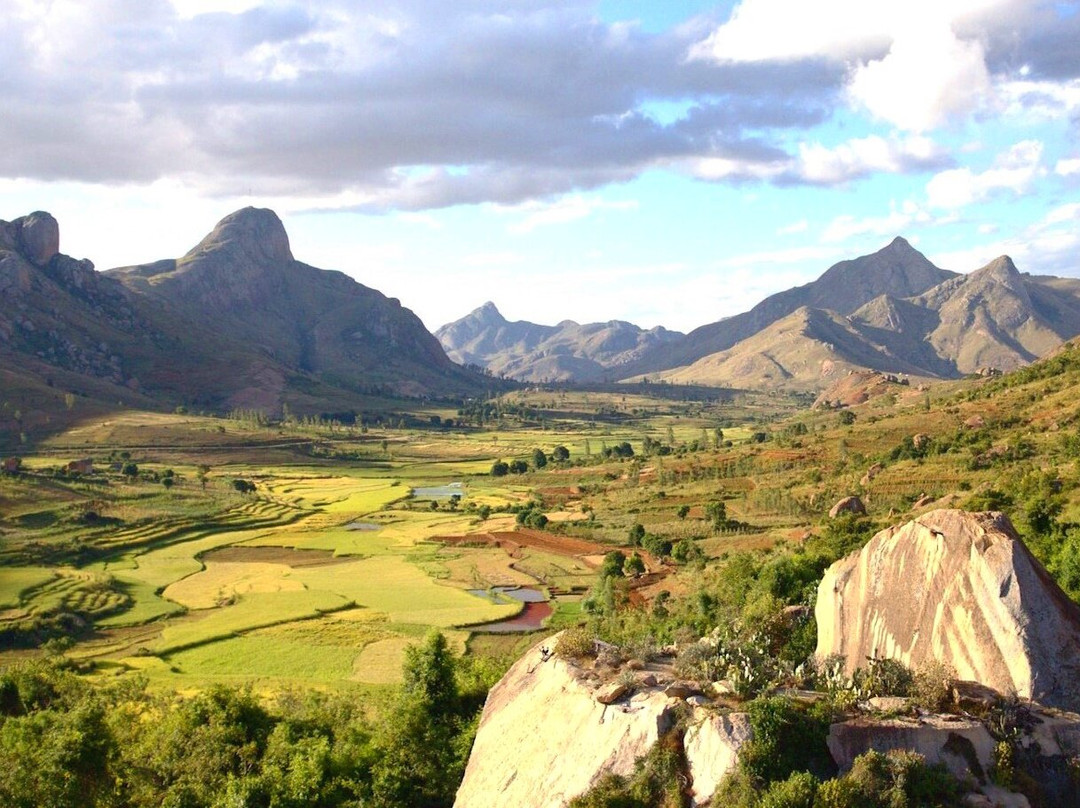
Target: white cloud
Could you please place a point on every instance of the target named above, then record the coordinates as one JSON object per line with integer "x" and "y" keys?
{"x": 861, "y": 156}
{"x": 567, "y": 209}
{"x": 800, "y": 226}
{"x": 845, "y": 227}
{"x": 1050, "y": 246}
{"x": 907, "y": 64}
{"x": 1014, "y": 170}
{"x": 1037, "y": 101}
{"x": 927, "y": 77}
{"x": 1068, "y": 167}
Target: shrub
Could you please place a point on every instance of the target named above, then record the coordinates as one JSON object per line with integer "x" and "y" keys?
{"x": 796, "y": 792}
{"x": 575, "y": 643}
{"x": 932, "y": 685}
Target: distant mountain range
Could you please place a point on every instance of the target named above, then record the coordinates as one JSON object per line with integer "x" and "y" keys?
{"x": 530, "y": 352}
{"x": 237, "y": 322}
{"x": 891, "y": 311}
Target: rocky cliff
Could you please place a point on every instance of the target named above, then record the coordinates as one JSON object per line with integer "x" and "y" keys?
{"x": 962, "y": 589}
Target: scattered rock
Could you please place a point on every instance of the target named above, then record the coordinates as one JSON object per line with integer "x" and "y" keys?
{"x": 960, "y": 588}
{"x": 887, "y": 704}
{"x": 697, "y": 701}
{"x": 920, "y": 441}
{"x": 848, "y": 505}
{"x": 681, "y": 690}
{"x": 648, "y": 680}
{"x": 973, "y": 697}
{"x": 612, "y": 692}
{"x": 922, "y": 502}
{"x": 975, "y": 422}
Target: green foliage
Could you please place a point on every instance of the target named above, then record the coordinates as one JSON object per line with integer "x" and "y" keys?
{"x": 614, "y": 564}
{"x": 787, "y": 738}
{"x": 560, "y": 454}
{"x": 499, "y": 469}
{"x": 797, "y": 791}
{"x": 846, "y": 418}
{"x": 539, "y": 459}
{"x": 716, "y": 513}
{"x": 634, "y": 565}
{"x": 636, "y": 534}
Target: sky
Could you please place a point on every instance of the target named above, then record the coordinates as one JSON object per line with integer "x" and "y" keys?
{"x": 667, "y": 163}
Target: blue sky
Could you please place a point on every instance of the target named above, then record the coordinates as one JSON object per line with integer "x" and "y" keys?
{"x": 664, "y": 163}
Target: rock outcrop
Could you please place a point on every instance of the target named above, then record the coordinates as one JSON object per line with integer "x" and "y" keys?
{"x": 552, "y": 728}
{"x": 544, "y": 738}
{"x": 35, "y": 236}
{"x": 962, "y": 589}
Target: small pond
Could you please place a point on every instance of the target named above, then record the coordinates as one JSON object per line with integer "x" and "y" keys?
{"x": 440, "y": 491}
{"x": 537, "y": 610}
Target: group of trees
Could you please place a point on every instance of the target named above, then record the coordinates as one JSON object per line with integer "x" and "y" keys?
{"x": 67, "y": 742}
{"x": 500, "y": 468}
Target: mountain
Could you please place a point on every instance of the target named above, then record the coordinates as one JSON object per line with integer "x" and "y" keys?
{"x": 236, "y": 322}
{"x": 243, "y": 279}
{"x": 897, "y": 270}
{"x": 530, "y": 352}
{"x": 995, "y": 317}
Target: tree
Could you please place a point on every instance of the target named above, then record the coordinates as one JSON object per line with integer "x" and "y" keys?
{"x": 637, "y": 533}
{"x": 518, "y": 466}
{"x": 847, "y": 417}
{"x": 243, "y": 486}
{"x": 683, "y": 511}
{"x": 716, "y": 513}
{"x": 613, "y": 565}
{"x": 634, "y": 565}
{"x": 168, "y": 482}
{"x": 560, "y": 454}
{"x": 499, "y": 469}
{"x": 130, "y": 470}
{"x": 539, "y": 459}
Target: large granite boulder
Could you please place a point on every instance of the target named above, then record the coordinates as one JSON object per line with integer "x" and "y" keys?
{"x": 544, "y": 738}
{"x": 960, "y": 588}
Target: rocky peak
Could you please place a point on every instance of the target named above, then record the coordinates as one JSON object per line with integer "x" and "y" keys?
{"x": 488, "y": 314}
{"x": 1001, "y": 270}
{"x": 248, "y": 236}
{"x": 35, "y": 236}
{"x": 962, "y": 589}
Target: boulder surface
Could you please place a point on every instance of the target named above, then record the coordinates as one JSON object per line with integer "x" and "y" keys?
{"x": 544, "y": 738}
{"x": 962, "y": 589}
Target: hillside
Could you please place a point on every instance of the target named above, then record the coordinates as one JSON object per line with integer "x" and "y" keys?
{"x": 237, "y": 322}
{"x": 593, "y": 352}
{"x": 993, "y": 318}
{"x": 897, "y": 269}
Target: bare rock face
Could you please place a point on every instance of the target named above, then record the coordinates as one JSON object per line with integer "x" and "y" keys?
{"x": 960, "y": 588}
{"x": 545, "y": 739}
{"x": 35, "y": 236}
{"x": 712, "y": 745}
{"x": 39, "y": 237}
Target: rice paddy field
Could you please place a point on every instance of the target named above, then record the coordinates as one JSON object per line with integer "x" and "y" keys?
{"x": 203, "y": 549}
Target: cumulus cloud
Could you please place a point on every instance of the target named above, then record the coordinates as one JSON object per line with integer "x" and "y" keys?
{"x": 859, "y": 157}
{"x": 914, "y": 64}
{"x": 1015, "y": 170}
{"x": 398, "y": 104}
{"x": 928, "y": 76}
{"x": 419, "y": 104}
